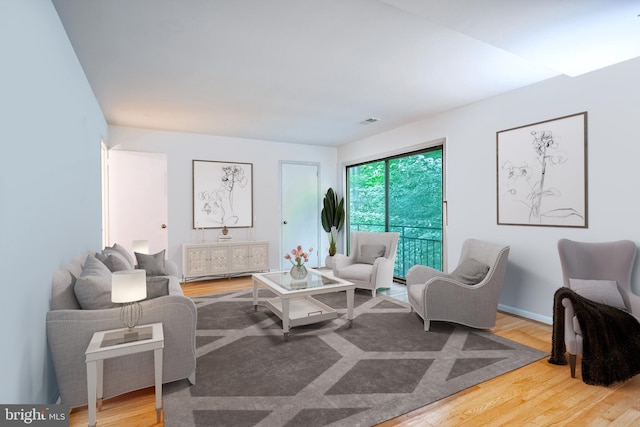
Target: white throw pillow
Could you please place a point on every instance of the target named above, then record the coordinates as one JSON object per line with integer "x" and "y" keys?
{"x": 602, "y": 291}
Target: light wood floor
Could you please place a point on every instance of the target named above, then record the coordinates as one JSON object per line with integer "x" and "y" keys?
{"x": 539, "y": 394}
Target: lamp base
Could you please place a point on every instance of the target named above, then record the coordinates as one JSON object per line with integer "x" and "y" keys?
{"x": 131, "y": 335}
{"x": 130, "y": 314}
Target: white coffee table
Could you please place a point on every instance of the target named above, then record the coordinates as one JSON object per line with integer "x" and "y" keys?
{"x": 295, "y": 304}
{"x": 104, "y": 345}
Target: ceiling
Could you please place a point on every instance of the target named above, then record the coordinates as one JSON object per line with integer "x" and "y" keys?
{"x": 314, "y": 71}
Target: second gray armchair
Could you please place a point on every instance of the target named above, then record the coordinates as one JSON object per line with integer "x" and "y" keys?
{"x": 469, "y": 295}
{"x": 603, "y": 271}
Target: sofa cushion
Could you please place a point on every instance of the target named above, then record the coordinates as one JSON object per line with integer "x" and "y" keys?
{"x": 93, "y": 286}
{"x": 357, "y": 272}
{"x": 470, "y": 271}
{"x": 602, "y": 291}
{"x": 369, "y": 253}
{"x": 157, "y": 286}
{"x": 117, "y": 251}
{"x": 113, "y": 262}
{"x": 124, "y": 252}
{"x": 153, "y": 264}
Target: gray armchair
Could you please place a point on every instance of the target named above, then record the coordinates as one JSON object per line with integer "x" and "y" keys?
{"x": 469, "y": 295}
{"x": 371, "y": 261}
{"x": 596, "y": 264}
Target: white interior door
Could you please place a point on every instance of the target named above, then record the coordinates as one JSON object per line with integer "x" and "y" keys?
{"x": 300, "y": 210}
{"x": 138, "y": 208}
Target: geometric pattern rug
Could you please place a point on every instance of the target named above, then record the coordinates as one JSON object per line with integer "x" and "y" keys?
{"x": 328, "y": 374}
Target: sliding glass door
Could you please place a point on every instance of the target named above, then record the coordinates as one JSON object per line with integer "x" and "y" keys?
{"x": 404, "y": 194}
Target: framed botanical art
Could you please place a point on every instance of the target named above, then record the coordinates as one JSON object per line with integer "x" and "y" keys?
{"x": 222, "y": 194}
{"x": 542, "y": 173}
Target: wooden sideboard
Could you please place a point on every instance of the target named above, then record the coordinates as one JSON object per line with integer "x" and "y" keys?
{"x": 223, "y": 258}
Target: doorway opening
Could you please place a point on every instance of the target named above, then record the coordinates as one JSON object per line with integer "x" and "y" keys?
{"x": 300, "y": 210}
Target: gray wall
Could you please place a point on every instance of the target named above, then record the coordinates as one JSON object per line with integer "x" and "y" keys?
{"x": 50, "y": 203}
{"x": 612, "y": 99}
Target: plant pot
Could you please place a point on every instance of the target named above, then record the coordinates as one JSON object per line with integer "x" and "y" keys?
{"x": 328, "y": 262}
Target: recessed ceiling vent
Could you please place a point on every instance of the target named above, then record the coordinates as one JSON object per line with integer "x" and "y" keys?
{"x": 370, "y": 120}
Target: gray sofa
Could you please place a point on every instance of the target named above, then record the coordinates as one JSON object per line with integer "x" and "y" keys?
{"x": 70, "y": 328}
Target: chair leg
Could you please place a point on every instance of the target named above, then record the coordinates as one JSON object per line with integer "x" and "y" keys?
{"x": 572, "y": 364}
{"x": 373, "y": 292}
{"x": 427, "y": 323}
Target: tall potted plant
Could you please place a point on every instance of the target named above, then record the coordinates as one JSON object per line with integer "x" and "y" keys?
{"x": 332, "y": 217}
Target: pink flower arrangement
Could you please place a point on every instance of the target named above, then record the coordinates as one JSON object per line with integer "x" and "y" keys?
{"x": 298, "y": 256}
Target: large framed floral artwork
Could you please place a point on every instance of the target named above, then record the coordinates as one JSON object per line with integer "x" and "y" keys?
{"x": 542, "y": 173}
{"x": 222, "y": 194}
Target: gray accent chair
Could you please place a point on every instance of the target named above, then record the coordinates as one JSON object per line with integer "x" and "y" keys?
{"x": 70, "y": 328}
{"x": 371, "y": 260}
{"x": 435, "y": 295}
{"x": 595, "y": 261}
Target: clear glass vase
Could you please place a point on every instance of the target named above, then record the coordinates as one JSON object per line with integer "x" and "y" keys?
{"x": 298, "y": 272}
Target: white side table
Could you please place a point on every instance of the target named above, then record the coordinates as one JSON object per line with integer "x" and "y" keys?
{"x": 97, "y": 352}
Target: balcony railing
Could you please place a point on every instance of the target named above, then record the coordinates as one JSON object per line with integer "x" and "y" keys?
{"x": 416, "y": 245}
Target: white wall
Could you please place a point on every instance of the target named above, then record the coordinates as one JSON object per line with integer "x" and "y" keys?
{"x": 612, "y": 99}
{"x": 182, "y": 148}
{"x": 50, "y": 207}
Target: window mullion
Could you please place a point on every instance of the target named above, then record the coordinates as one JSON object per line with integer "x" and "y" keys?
{"x": 386, "y": 195}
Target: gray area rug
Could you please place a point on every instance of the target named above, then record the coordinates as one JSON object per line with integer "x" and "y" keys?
{"x": 328, "y": 374}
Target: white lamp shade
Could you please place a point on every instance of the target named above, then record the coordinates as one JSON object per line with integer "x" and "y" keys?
{"x": 141, "y": 246}
{"x": 128, "y": 286}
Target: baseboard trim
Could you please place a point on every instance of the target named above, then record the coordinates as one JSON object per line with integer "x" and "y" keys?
{"x": 529, "y": 315}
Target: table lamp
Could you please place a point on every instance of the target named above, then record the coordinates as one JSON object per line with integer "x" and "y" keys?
{"x": 127, "y": 288}
{"x": 141, "y": 246}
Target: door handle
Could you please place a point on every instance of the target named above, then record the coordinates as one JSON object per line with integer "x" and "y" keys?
{"x": 163, "y": 226}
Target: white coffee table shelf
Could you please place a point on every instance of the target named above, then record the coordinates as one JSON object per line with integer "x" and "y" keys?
{"x": 294, "y": 303}
{"x": 303, "y": 311}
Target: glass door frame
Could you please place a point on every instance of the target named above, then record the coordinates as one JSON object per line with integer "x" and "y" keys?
{"x": 407, "y": 151}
